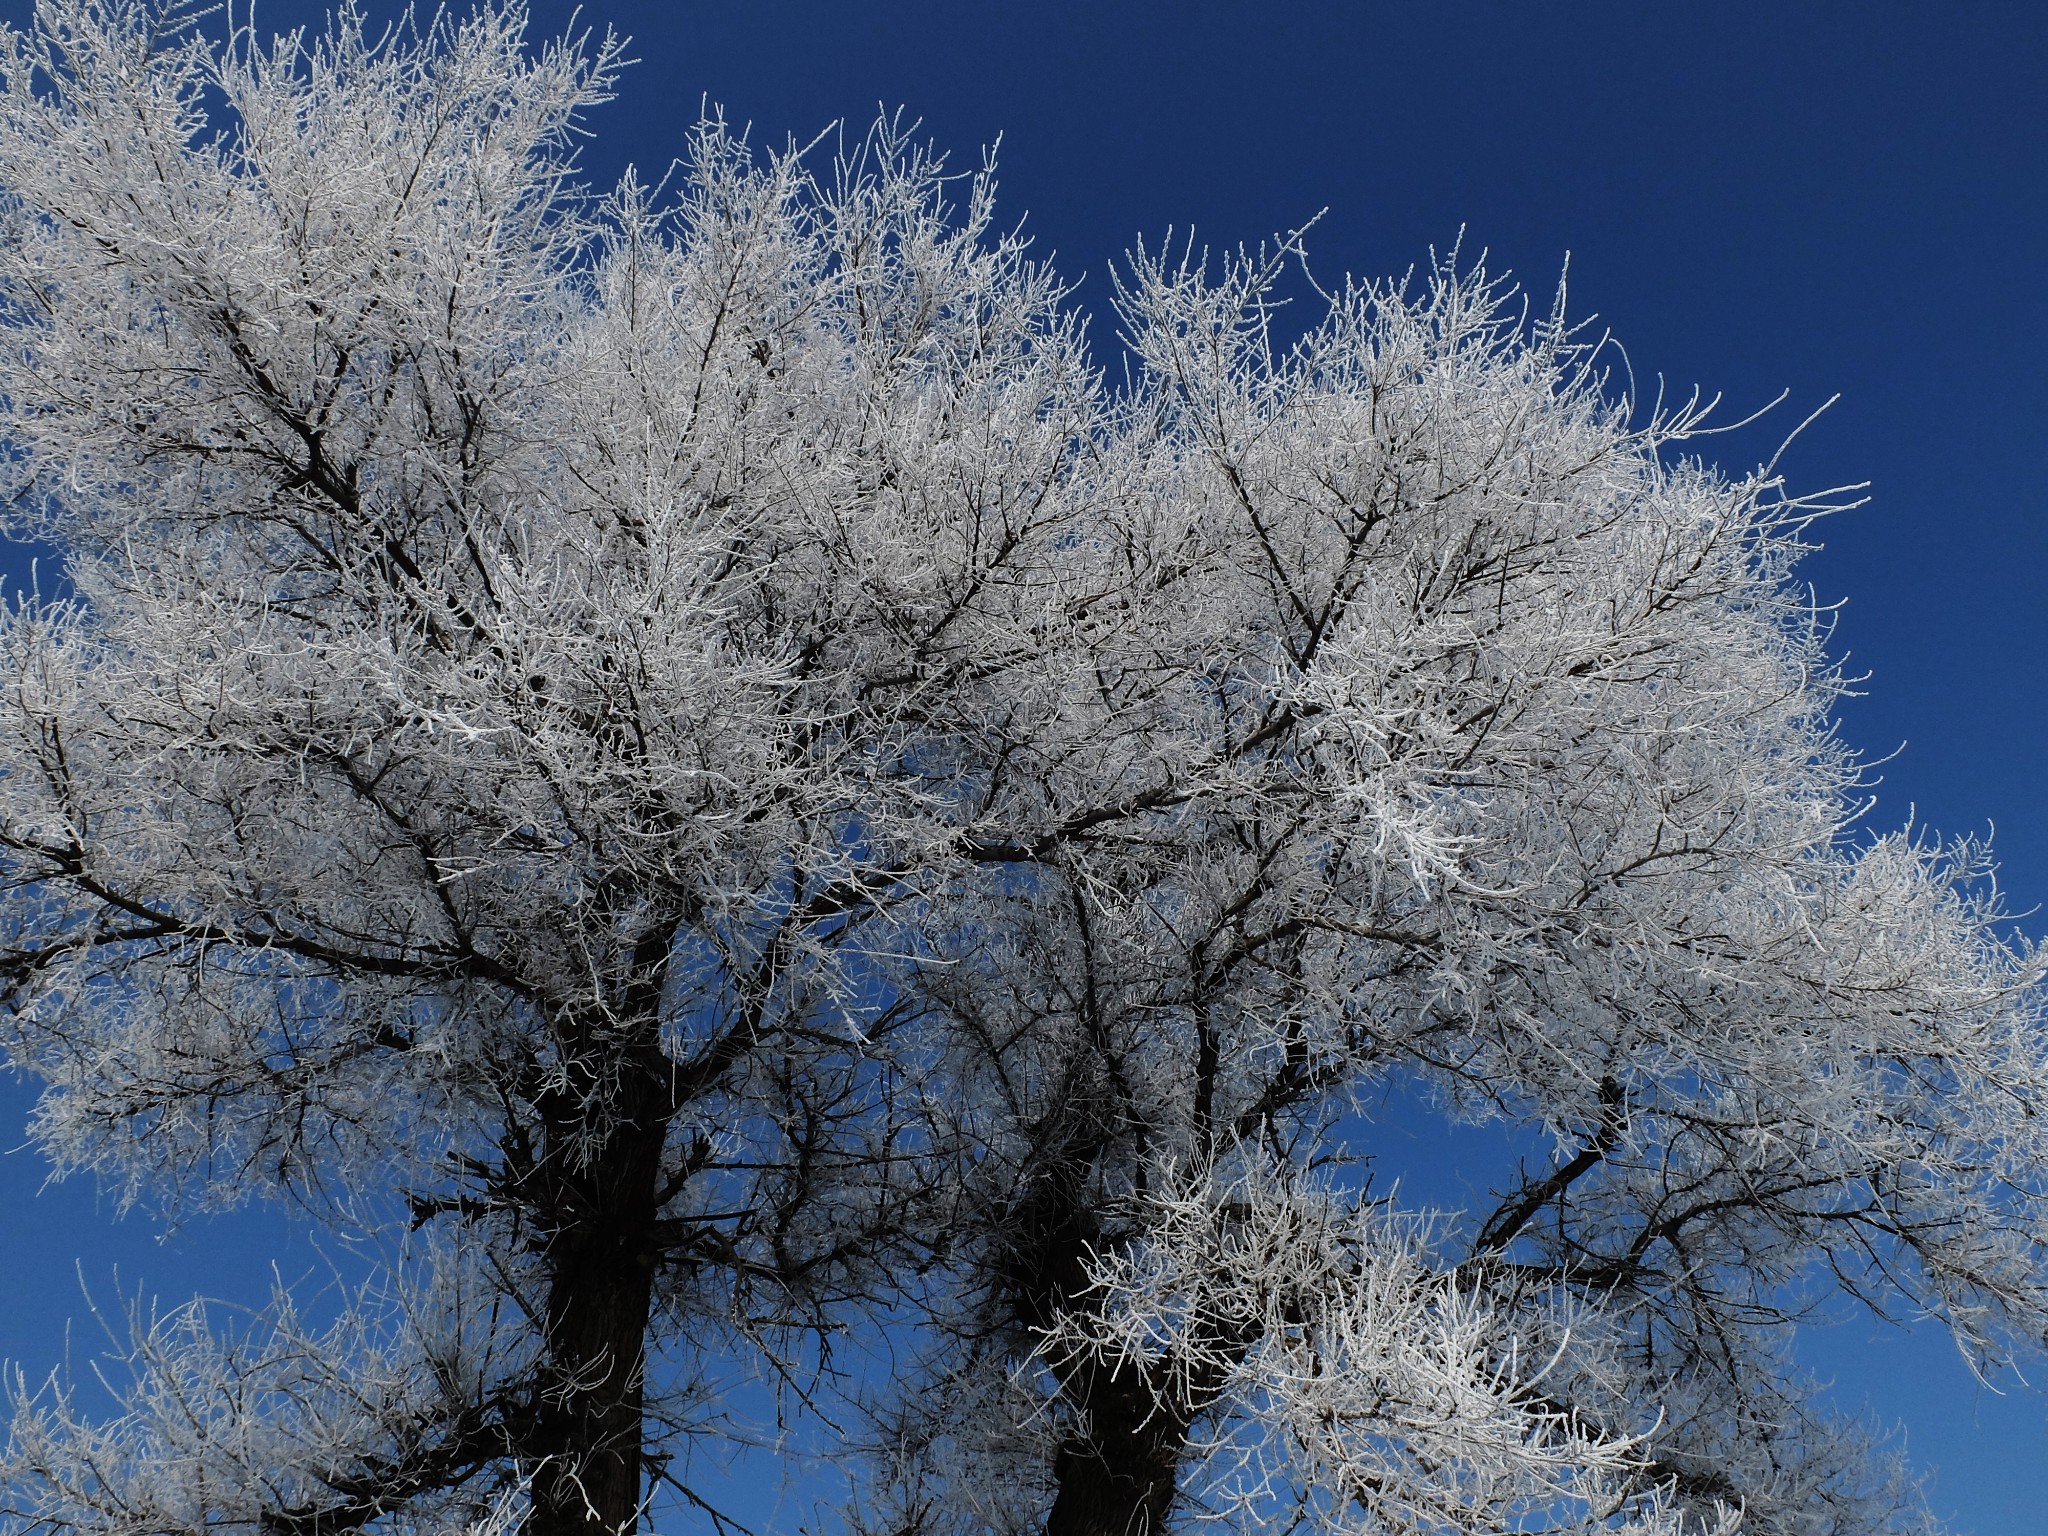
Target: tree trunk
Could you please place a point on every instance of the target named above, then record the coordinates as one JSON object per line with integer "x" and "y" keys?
{"x": 1116, "y": 1475}
{"x": 1118, "y": 1480}
{"x": 601, "y": 1258}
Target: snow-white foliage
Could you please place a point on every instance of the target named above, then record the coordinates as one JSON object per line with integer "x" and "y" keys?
{"x": 692, "y": 751}
{"x": 219, "y": 1427}
{"x": 1380, "y": 1390}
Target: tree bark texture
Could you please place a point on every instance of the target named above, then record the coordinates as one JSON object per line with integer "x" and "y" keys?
{"x": 1116, "y": 1474}
{"x": 1119, "y": 1478}
{"x": 601, "y": 1256}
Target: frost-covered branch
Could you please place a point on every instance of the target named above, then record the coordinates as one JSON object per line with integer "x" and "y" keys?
{"x": 688, "y": 750}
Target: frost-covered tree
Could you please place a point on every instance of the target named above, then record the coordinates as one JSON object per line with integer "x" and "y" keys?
{"x": 685, "y": 775}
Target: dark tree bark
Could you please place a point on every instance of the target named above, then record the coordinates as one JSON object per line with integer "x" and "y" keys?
{"x": 1118, "y": 1479}
{"x": 600, "y": 1194}
{"x": 601, "y": 1260}
{"x": 1116, "y": 1474}
{"x": 1117, "y": 1471}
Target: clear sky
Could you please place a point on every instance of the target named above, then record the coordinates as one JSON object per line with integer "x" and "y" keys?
{"x": 1839, "y": 198}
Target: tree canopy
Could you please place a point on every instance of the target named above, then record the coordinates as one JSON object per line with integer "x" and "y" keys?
{"x": 685, "y": 769}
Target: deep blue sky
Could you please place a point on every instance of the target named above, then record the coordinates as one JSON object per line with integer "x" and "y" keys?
{"x": 1820, "y": 198}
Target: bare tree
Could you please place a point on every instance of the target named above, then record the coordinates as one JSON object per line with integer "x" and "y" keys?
{"x": 684, "y": 772}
